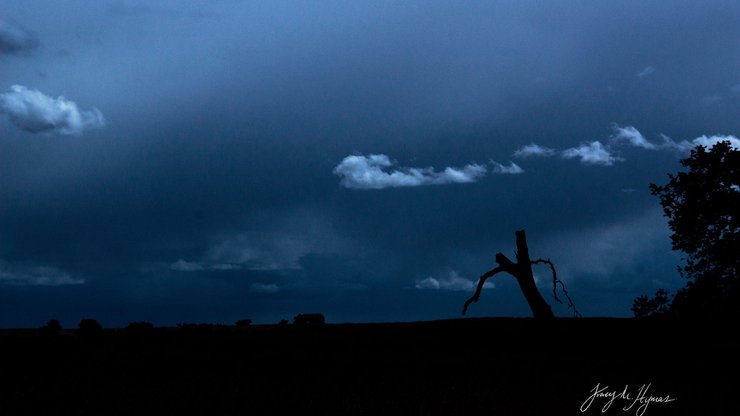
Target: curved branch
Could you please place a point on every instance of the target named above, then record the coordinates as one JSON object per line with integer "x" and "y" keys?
{"x": 481, "y": 282}
{"x": 555, "y": 282}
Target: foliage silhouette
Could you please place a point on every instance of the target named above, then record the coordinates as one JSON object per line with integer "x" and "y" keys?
{"x": 703, "y": 210}
{"x": 644, "y": 307}
{"x": 89, "y": 328}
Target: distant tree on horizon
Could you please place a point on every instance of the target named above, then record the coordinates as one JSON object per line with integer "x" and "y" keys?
{"x": 89, "y": 327}
{"x": 703, "y": 210}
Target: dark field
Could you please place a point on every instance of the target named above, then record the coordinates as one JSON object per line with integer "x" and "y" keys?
{"x": 472, "y": 367}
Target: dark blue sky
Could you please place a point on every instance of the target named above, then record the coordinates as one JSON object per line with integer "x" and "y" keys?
{"x": 175, "y": 161}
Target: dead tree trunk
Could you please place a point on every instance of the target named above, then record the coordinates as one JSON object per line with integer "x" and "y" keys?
{"x": 522, "y": 271}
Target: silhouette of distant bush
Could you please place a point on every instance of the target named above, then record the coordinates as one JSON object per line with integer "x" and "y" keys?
{"x": 89, "y": 327}
{"x": 283, "y": 322}
{"x": 139, "y": 329}
{"x": 243, "y": 323}
{"x": 52, "y": 328}
{"x": 309, "y": 318}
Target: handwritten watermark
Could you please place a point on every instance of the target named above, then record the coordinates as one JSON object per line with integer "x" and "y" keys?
{"x": 635, "y": 401}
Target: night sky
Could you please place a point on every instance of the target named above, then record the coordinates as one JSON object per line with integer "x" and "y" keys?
{"x": 175, "y": 161}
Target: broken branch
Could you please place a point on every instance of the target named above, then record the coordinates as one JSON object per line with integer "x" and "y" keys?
{"x": 481, "y": 282}
{"x": 555, "y": 282}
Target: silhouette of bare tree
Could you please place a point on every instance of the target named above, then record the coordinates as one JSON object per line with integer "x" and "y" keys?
{"x": 522, "y": 271}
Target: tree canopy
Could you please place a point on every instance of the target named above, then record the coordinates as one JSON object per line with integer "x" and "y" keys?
{"x": 703, "y": 206}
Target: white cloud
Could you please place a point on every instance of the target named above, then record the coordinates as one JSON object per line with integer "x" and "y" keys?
{"x": 645, "y": 72}
{"x": 35, "y": 112}
{"x": 264, "y": 288}
{"x": 596, "y": 153}
{"x": 35, "y": 275}
{"x": 631, "y": 136}
{"x": 15, "y": 40}
{"x": 372, "y": 172}
{"x": 710, "y": 141}
{"x": 707, "y": 141}
{"x": 593, "y": 153}
{"x": 512, "y": 169}
{"x": 451, "y": 281}
{"x": 186, "y": 266}
{"x": 533, "y": 149}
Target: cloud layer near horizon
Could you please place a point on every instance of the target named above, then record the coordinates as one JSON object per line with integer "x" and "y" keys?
{"x": 34, "y": 112}
{"x": 24, "y": 274}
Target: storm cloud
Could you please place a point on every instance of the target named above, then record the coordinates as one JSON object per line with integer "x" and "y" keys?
{"x": 24, "y": 274}
{"x": 16, "y": 40}
{"x": 260, "y": 160}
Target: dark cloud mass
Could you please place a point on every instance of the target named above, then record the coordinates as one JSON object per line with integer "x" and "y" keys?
{"x": 16, "y": 40}
{"x": 260, "y": 160}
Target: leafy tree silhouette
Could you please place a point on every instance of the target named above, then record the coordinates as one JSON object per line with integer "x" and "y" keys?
{"x": 89, "y": 328}
{"x": 522, "y": 271}
{"x": 644, "y": 307}
{"x": 703, "y": 210}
